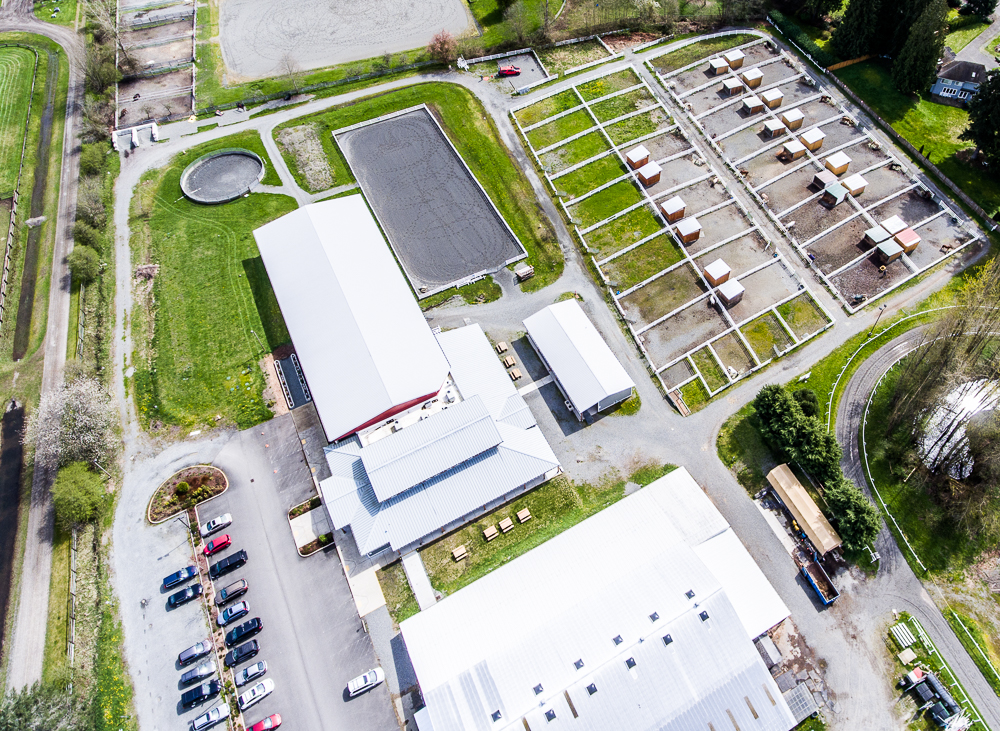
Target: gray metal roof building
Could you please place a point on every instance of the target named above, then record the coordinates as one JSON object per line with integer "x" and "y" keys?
{"x": 474, "y": 445}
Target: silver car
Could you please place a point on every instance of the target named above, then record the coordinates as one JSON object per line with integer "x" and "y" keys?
{"x": 216, "y": 715}
{"x": 216, "y": 524}
{"x": 251, "y": 672}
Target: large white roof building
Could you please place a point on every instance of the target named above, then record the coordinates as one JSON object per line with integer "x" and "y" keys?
{"x": 363, "y": 343}
{"x": 641, "y": 617}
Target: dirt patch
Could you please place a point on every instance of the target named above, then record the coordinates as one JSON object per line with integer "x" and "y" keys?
{"x": 677, "y": 373}
{"x": 273, "y": 395}
{"x": 683, "y": 332}
{"x": 623, "y": 41}
{"x": 764, "y": 288}
{"x": 718, "y": 226}
{"x": 840, "y": 246}
{"x": 663, "y": 295}
{"x": 864, "y": 278}
{"x": 733, "y": 354}
{"x": 813, "y": 218}
{"x": 741, "y": 255}
{"x": 158, "y": 96}
{"x": 911, "y": 207}
{"x": 938, "y": 238}
{"x": 303, "y": 144}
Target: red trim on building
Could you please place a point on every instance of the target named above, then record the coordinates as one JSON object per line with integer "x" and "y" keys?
{"x": 387, "y": 413}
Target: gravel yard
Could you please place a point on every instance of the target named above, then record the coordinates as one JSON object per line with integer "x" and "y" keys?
{"x": 864, "y": 278}
{"x": 665, "y": 145}
{"x": 741, "y": 255}
{"x": 677, "y": 373}
{"x": 662, "y": 295}
{"x": 718, "y": 226}
{"x": 910, "y": 206}
{"x": 703, "y": 195}
{"x": 814, "y": 218}
{"x": 935, "y": 234}
{"x": 677, "y": 172}
{"x": 840, "y": 245}
{"x": 882, "y": 182}
{"x": 764, "y": 288}
{"x": 788, "y": 191}
{"x": 684, "y": 331}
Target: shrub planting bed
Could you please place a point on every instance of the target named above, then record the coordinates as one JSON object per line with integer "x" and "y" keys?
{"x": 185, "y": 489}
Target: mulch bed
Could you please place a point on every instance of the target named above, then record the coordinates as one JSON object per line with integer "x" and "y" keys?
{"x": 303, "y": 508}
{"x": 204, "y": 482}
{"x": 621, "y": 41}
{"x": 322, "y": 542}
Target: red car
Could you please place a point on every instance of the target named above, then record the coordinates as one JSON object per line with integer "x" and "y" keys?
{"x": 272, "y": 721}
{"x": 217, "y": 544}
{"x": 510, "y": 71}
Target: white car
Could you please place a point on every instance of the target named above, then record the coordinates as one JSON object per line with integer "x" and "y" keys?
{"x": 216, "y": 524}
{"x": 216, "y": 715}
{"x": 251, "y": 672}
{"x": 257, "y": 693}
{"x": 365, "y": 682}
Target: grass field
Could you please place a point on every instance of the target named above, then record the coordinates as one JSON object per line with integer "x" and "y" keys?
{"x": 590, "y": 176}
{"x": 637, "y": 126}
{"x": 966, "y": 30}
{"x": 802, "y": 315}
{"x": 213, "y": 313}
{"x": 709, "y": 369}
{"x": 399, "y": 599}
{"x": 477, "y": 140}
{"x": 57, "y": 633}
{"x": 701, "y": 49}
{"x": 620, "y": 105}
{"x": 981, "y": 647}
{"x": 764, "y": 334}
{"x": 559, "y": 129}
{"x": 17, "y": 68}
{"x": 624, "y": 230}
{"x": 561, "y": 102}
{"x": 555, "y": 506}
{"x": 695, "y": 395}
{"x": 608, "y": 84}
{"x": 642, "y": 262}
{"x": 934, "y": 128}
{"x": 557, "y": 60}
{"x": 575, "y": 152}
{"x": 606, "y": 203}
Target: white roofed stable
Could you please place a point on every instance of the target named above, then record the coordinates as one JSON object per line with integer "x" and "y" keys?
{"x": 475, "y": 444}
{"x": 581, "y": 363}
{"x": 569, "y": 637}
{"x": 363, "y": 343}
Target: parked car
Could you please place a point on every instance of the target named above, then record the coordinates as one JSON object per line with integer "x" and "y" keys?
{"x": 234, "y": 590}
{"x": 244, "y": 631}
{"x": 365, "y": 682}
{"x": 229, "y": 563}
{"x": 217, "y": 544}
{"x": 197, "y": 650}
{"x": 217, "y": 714}
{"x": 272, "y": 721}
{"x": 185, "y": 595}
{"x": 201, "y": 693}
{"x": 510, "y": 71}
{"x": 188, "y": 572}
{"x": 250, "y": 672}
{"x": 242, "y": 653}
{"x": 199, "y": 673}
{"x": 256, "y": 694}
{"x": 239, "y": 609}
{"x": 223, "y": 521}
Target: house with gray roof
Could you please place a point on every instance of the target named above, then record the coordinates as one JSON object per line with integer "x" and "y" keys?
{"x": 957, "y": 82}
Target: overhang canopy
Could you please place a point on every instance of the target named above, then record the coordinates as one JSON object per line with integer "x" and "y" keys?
{"x": 804, "y": 509}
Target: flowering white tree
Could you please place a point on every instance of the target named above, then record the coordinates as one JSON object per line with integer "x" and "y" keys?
{"x": 74, "y": 424}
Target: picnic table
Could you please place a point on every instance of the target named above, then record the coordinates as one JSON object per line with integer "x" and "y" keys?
{"x": 523, "y": 516}
{"x": 506, "y": 524}
{"x": 490, "y": 533}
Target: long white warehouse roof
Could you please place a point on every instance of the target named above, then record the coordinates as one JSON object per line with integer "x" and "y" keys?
{"x": 577, "y": 354}
{"x": 648, "y": 632}
{"x": 362, "y": 341}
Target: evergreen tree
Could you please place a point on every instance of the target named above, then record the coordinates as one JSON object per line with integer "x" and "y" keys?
{"x": 984, "y": 119}
{"x": 855, "y": 36}
{"x": 857, "y": 519}
{"x": 982, "y": 8}
{"x": 915, "y": 67}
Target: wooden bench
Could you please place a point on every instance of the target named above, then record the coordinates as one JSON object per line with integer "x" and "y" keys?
{"x": 506, "y": 524}
{"x": 523, "y": 516}
{"x": 490, "y": 533}
{"x": 509, "y": 361}
{"x": 459, "y": 553}
{"x": 501, "y": 347}
{"x": 514, "y": 373}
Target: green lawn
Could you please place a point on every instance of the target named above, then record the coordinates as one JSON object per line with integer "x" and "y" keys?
{"x": 741, "y": 448}
{"x": 980, "y": 646}
{"x": 213, "y": 313}
{"x": 572, "y": 153}
{"x": 621, "y": 232}
{"x": 559, "y": 129}
{"x": 57, "y": 626}
{"x": 607, "y": 203}
{"x": 935, "y": 128}
{"x": 561, "y": 102}
{"x": 66, "y": 15}
{"x": 17, "y": 67}
{"x": 701, "y": 49}
{"x": 966, "y": 29}
{"x": 555, "y": 506}
{"x": 590, "y": 176}
{"x": 802, "y": 315}
{"x": 477, "y": 140}
{"x": 399, "y": 599}
{"x": 709, "y": 369}
{"x": 764, "y": 334}
{"x": 489, "y": 15}
{"x": 557, "y": 60}
{"x": 642, "y": 262}
{"x": 608, "y": 84}
{"x": 637, "y": 126}
{"x": 695, "y": 395}
{"x": 620, "y": 105}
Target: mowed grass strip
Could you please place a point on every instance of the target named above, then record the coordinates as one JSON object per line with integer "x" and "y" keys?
{"x": 702, "y": 49}
{"x": 17, "y": 67}
{"x": 802, "y": 315}
{"x": 608, "y": 84}
{"x": 621, "y": 105}
{"x": 214, "y": 314}
{"x": 572, "y": 153}
{"x": 561, "y": 102}
{"x": 559, "y": 129}
{"x": 590, "y": 176}
{"x": 637, "y": 126}
{"x": 643, "y": 261}
{"x": 709, "y": 369}
{"x": 605, "y": 204}
{"x": 764, "y": 334}
{"x": 623, "y": 231}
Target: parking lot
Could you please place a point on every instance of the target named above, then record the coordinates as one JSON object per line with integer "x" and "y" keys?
{"x": 313, "y": 640}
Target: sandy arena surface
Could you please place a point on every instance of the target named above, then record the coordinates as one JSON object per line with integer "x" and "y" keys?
{"x": 257, "y": 34}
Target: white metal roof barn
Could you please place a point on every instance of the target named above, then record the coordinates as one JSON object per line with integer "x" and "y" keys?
{"x": 624, "y": 621}
{"x": 363, "y": 343}
{"x": 582, "y": 364}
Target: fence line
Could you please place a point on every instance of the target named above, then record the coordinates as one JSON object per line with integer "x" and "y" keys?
{"x": 845, "y": 64}
{"x": 79, "y": 321}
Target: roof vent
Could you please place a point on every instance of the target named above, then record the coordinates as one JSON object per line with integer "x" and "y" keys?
{"x": 538, "y": 689}
{"x": 578, "y": 664}
{"x": 618, "y": 639}
{"x": 550, "y": 715}
{"x": 496, "y": 715}
{"x": 689, "y": 593}
{"x": 592, "y": 689}
{"x": 653, "y": 617}
{"x": 667, "y": 639}
{"x": 630, "y": 663}
{"x": 704, "y": 616}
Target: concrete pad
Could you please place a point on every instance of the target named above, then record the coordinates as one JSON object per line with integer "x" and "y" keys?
{"x": 310, "y": 526}
{"x": 416, "y": 574}
{"x": 367, "y": 591}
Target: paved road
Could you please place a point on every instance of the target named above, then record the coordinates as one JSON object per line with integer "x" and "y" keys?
{"x": 979, "y": 51}
{"x": 27, "y": 648}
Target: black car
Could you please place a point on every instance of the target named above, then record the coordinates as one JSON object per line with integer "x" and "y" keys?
{"x": 229, "y": 563}
{"x": 197, "y": 650}
{"x": 185, "y": 595}
{"x": 200, "y": 694}
{"x": 189, "y": 572}
{"x": 244, "y": 631}
{"x": 239, "y": 654}
{"x": 233, "y": 591}
{"x": 199, "y": 673}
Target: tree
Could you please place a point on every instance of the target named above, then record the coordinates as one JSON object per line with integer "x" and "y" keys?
{"x": 289, "y": 69}
{"x": 807, "y": 401}
{"x": 98, "y": 119}
{"x": 76, "y": 495}
{"x": 442, "y": 47}
{"x": 857, "y": 519}
{"x": 75, "y": 423}
{"x": 817, "y": 450}
{"x": 915, "y": 67}
{"x": 780, "y": 418}
{"x": 984, "y": 119}
{"x": 84, "y": 264}
{"x": 92, "y": 159}
{"x": 49, "y": 707}
{"x": 855, "y": 36}
{"x": 517, "y": 18}
{"x": 90, "y": 202}
{"x": 86, "y": 235}
{"x": 982, "y": 8}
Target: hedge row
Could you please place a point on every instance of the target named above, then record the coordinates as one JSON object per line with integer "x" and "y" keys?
{"x": 794, "y": 33}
